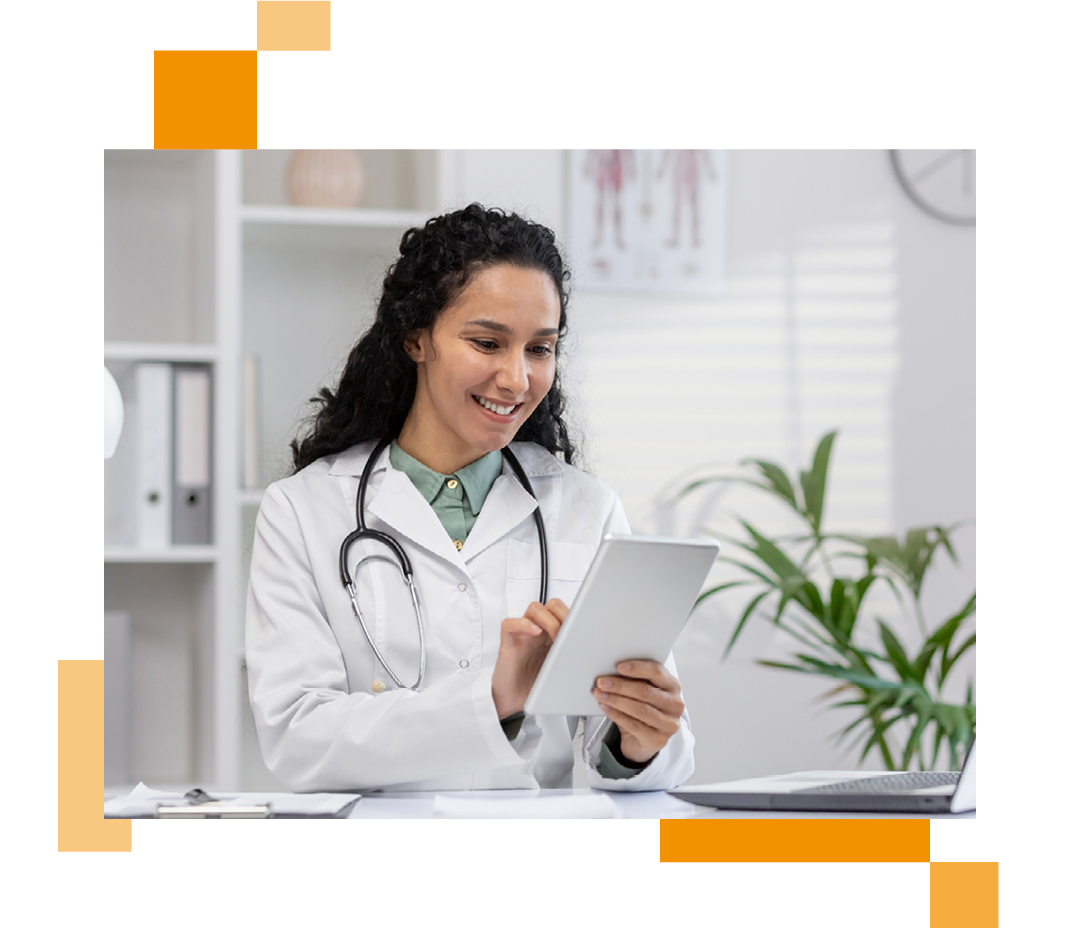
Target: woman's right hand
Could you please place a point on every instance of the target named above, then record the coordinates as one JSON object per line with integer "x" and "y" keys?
{"x": 523, "y": 645}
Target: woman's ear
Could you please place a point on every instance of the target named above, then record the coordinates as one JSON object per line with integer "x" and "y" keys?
{"x": 414, "y": 346}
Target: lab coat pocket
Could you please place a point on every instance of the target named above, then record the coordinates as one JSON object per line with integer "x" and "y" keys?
{"x": 567, "y": 565}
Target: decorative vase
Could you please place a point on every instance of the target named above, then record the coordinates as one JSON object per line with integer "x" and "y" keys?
{"x": 325, "y": 177}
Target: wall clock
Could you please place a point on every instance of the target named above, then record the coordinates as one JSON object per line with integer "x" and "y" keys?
{"x": 940, "y": 182}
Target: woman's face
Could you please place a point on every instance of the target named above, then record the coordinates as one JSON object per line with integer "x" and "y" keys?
{"x": 483, "y": 367}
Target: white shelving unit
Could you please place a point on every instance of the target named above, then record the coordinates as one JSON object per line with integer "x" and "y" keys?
{"x": 206, "y": 262}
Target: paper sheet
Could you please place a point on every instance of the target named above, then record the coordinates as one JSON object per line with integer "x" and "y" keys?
{"x": 587, "y": 806}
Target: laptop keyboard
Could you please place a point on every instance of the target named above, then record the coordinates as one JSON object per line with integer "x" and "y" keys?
{"x": 918, "y": 779}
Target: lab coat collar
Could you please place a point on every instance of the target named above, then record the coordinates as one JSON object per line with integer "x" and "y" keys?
{"x": 508, "y": 504}
{"x": 351, "y": 461}
{"x": 395, "y": 500}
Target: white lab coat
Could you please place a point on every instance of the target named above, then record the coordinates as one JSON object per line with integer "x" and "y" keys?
{"x": 323, "y": 718}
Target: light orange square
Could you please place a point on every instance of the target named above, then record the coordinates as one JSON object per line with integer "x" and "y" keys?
{"x": 80, "y": 751}
{"x": 963, "y": 894}
{"x": 294, "y": 26}
{"x": 205, "y": 99}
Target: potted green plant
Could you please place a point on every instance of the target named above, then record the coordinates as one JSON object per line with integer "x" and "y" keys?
{"x": 800, "y": 584}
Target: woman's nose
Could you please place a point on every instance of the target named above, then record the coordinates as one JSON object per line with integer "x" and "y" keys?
{"x": 513, "y": 375}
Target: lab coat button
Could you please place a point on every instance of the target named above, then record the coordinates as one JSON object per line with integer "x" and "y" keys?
{"x": 464, "y": 665}
{"x": 378, "y": 686}
{"x": 462, "y": 587}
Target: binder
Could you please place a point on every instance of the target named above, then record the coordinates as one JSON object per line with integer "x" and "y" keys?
{"x": 121, "y": 470}
{"x": 191, "y": 496}
{"x": 153, "y": 392}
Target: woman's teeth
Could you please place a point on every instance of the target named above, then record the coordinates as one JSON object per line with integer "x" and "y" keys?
{"x": 501, "y": 410}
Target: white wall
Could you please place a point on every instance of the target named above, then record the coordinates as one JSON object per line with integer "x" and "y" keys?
{"x": 846, "y": 308}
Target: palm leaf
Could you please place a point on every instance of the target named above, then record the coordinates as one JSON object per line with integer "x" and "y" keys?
{"x": 897, "y": 656}
{"x": 705, "y": 594}
{"x": 742, "y": 621}
{"x": 948, "y": 662}
{"x": 878, "y": 738}
{"x": 770, "y": 555}
{"x": 777, "y": 481}
{"x": 813, "y": 483}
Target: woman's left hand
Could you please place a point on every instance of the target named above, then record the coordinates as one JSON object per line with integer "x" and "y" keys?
{"x": 645, "y": 702}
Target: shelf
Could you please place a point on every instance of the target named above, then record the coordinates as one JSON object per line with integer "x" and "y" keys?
{"x": 178, "y": 554}
{"x": 326, "y": 216}
{"x": 307, "y": 230}
{"x": 160, "y": 351}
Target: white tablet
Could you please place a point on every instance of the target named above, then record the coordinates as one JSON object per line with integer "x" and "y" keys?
{"x": 633, "y": 603}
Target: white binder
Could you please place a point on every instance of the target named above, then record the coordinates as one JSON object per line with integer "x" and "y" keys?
{"x": 121, "y": 470}
{"x": 191, "y": 488}
{"x": 153, "y": 397}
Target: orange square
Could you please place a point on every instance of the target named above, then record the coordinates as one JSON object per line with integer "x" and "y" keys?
{"x": 964, "y": 894}
{"x": 205, "y": 99}
{"x": 794, "y": 840}
{"x": 294, "y": 26}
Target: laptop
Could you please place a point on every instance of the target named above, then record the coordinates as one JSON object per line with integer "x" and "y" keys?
{"x": 919, "y": 792}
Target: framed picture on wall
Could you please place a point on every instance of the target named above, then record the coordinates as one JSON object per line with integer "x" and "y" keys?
{"x": 648, "y": 220}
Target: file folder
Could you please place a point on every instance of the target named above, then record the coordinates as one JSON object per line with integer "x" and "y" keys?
{"x": 153, "y": 397}
{"x": 191, "y": 501}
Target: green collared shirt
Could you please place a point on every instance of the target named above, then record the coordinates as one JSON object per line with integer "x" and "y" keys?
{"x": 457, "y": 499}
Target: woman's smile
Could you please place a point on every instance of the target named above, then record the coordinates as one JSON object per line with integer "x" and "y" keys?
{"x": 494, "y": 409}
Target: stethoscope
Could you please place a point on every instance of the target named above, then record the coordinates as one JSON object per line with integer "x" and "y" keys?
{"x": 401, "y": 559}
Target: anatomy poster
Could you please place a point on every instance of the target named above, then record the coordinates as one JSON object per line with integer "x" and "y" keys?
{"x": 648, "y": 219}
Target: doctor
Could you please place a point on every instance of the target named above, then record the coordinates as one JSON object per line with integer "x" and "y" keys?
{"x": 459, "y": 365}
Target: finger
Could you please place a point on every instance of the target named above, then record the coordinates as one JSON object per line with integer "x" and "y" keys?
{"x": 513, "y": 628}
{"x": 631, "y": 728}
{"x": 653, "y": 671}
{"x": 666, "y": 723}
{"x": 667, "y": 701}
{"x": 559, "y": 609}
{"x": 542, "y": 616}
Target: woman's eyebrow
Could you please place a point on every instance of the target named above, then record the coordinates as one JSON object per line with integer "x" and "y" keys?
{"x": 505, "y": 329}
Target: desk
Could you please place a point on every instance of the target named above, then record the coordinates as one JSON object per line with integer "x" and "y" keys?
{"x": 650, "y": 805}
{"x": 647, "y": 805}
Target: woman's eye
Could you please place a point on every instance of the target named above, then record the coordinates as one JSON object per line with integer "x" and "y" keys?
{"x": 542, "y": 351}
{"x": 485, "y": 344}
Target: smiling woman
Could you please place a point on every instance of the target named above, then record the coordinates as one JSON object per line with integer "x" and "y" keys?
{"x": 483, "y": 368}
{"x": 442, "y": 458}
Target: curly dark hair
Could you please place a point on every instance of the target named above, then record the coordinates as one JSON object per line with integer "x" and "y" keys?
{"x": 436, "y": 262}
